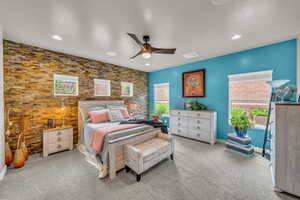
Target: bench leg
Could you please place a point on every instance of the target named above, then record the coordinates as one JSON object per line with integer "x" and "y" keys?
{"x": 127, "y": 169}
{"x": 172, "y": 156}
{"x": 138, "y": 177}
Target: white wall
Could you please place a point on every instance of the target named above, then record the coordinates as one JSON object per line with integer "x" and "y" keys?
{"x": 2, "y": 153}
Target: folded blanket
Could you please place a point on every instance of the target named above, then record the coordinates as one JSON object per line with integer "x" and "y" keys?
{"x": 100, "y": 133}
{"x": 153, "y": 123}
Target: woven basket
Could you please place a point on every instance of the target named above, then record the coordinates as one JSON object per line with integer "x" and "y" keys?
{"x": 19, "y": 158}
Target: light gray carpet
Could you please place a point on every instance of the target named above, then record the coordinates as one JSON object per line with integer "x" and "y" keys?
{"x": 198, "y": 172}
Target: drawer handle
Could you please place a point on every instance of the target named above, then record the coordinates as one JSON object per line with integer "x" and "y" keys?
{"x": 198, "y": 127}
{"x": 198, "y": 114}
{"x": 59, "y": 146}
{"x": 58, "y": 139}
{"x": 178, "y": 124}
{"x": 178, "y": 131}
{"x": 198, "y": 135}
{"x": 198, "y": 121}
{"x": 59, "y": 133}
{"x": 178, "y": 118}
{"x": 178, "y": 112}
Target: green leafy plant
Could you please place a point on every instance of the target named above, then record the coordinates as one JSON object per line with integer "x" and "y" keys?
{"x": 198, "y": 106}
{"x": 260, "y": 112}
{"x": 240, "y": 119}
{"x": 161, "y": 110}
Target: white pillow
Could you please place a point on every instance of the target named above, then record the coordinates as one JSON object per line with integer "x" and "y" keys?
{"x": 115, "y": 115}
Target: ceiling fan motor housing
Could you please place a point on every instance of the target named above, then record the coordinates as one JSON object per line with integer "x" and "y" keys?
{"x": 146, "y": 38}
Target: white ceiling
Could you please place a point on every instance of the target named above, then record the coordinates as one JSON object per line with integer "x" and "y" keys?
{"x": 91, "y": 28}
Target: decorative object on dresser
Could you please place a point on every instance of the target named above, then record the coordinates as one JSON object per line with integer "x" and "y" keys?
{"x": 57, "y": 139}
{"x": 142, "y": 156}
{"x": 193, "y": 83}
{"x": 285, "y": 147}
{"x": 199, "y": 125}
{"x": 240, "y": 122}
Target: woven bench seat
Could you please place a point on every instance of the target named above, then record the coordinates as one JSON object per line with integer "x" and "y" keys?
{"x": 142, "y": 156}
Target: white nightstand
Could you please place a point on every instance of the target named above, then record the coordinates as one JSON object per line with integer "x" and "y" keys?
{"x": 57, "y": 139}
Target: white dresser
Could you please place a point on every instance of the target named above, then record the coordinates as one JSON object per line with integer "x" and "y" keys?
{"x": 199, "y": 125}
{"x": 285, "y": 145}
{"x": 57, "y": 139}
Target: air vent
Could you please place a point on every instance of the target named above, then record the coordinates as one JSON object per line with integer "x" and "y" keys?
{"x": 190, "y": 55}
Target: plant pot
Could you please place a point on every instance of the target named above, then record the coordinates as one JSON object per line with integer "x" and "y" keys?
{"x": 240, "y": 133}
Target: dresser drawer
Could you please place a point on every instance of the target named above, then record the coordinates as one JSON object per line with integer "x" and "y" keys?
{"x": 179, "y": 113}
{"x": 179, "y": 131}
{"x": 58, "y": 146}
{"x": 179, "y": 122}
{"x": 200, "y": 135}
{"x": 59, "y": 136}
{"x": 199, "y": 124}
{"x": 195, "y": 114}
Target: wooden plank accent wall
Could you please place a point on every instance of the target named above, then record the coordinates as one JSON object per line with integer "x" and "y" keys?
{"x": 28, "y": 76}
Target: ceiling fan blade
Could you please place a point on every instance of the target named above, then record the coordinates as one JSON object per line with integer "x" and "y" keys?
{"x": 136, "y": 55}
{"x": 134, "y": 37}
{"x": 163, "y": 51}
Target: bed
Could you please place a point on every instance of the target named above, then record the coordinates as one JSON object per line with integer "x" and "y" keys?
{"x": 111, "y": 158}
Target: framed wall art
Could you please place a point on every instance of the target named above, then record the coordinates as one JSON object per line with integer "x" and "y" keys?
{"x": 126, "y": 89}
{"x": 65, "y": 85}
{"x": 193, "y": 83}
{"x": 102, "y": 87}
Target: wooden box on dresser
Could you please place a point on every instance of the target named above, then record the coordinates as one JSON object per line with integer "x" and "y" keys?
{"x": 285, "y": 145}
{"x": 199, "y": 125}
{"x": 57, "y": 139}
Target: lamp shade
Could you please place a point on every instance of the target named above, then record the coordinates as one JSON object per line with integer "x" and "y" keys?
{"x": 277, "y": 83}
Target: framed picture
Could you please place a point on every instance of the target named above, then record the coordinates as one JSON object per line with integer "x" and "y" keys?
{"x": 193, "y": 83}
{"x": 65, "y": 85}
{"x": 102, "y": 87}
{"x": 126, "y": 89}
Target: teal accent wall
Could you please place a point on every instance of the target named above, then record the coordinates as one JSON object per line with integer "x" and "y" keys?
{"x": 280, "y": 57}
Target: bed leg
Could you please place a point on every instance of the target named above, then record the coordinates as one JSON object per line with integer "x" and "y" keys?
{"x": 127, "y": 169}
{"x": 172, "y": 156}
{"x": 138, "y": 177}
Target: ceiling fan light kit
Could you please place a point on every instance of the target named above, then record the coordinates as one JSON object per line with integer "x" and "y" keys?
{"x": 146, "y": 49}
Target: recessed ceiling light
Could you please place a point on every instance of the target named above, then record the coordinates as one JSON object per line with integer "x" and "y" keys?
{"x": 111, "y": 53}
{"x": 190, "y": 55}
{"x": 147, "y": 64}
{"x": 220, "y": 2}
{"x": 57, "y": 37}
{"x": 236, "y": 37}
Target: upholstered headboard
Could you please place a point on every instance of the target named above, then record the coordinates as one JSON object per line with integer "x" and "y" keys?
{"x": 83, "y": 108}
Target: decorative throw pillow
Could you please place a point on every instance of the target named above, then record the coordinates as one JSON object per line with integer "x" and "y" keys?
{"x": 87, "y": 117}
{"x": 99, "y": 116}
{"x": 115, "y": 115}
{"x": 124, "y": 112}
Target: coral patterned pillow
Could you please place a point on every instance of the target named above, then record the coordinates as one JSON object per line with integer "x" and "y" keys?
{"x": 99, "y": 116}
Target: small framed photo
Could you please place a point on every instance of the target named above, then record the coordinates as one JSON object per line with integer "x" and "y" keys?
{"x": 193, "y": 83}
{"x": 102, "y": 87}
{"x": 126, "y": 89}
{"x": 65, "y": 85}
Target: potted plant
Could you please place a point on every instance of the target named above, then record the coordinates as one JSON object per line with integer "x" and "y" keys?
{"x": 240, "y": 122}
{"x": 260, "y": 116}
{"x": 161, "y": 110}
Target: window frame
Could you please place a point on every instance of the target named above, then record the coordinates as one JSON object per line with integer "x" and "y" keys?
{"x": 102, "y": 81}
{"x": 259, "y": 75}
{"x": 155, "y": 97}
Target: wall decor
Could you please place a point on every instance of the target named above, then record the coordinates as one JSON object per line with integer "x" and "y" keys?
{"x": 102, "y": 87}
{"x": 65, "y": 85}
{"x": 126, "y": 89}
{"x": 193, "y": 83}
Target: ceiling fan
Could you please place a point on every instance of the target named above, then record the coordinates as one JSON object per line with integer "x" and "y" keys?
{"x": 146, "y": 49}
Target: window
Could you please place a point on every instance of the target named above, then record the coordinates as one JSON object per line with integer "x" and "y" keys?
{"x": 251, "y": 92}
{"x": 161, "y": 97}
{"x": 126, "y": 89}
{"x": 102, "y": 87}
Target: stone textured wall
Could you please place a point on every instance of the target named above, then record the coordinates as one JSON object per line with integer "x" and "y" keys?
{"x": 28, "y": 76}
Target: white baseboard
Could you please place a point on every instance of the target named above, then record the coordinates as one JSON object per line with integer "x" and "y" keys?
{"x": 3, "y": 172}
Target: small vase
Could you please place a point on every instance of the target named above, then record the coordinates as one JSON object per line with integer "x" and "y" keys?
{"x": 8, "y": 155}
{"x": 19, "y": 158}
{"x": 24, "y": 148}
{"x": 240, "y": 133}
